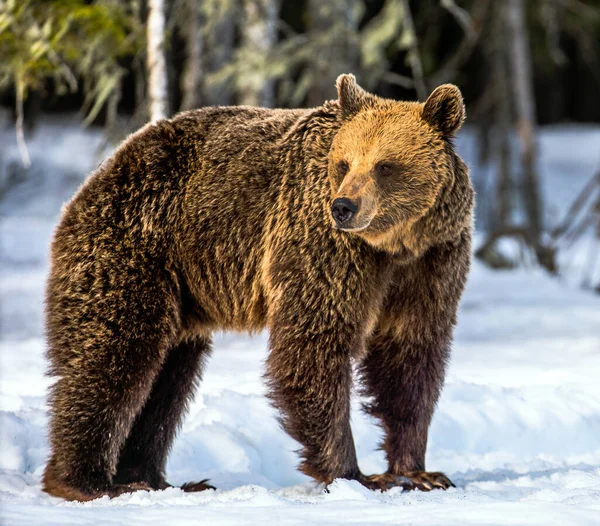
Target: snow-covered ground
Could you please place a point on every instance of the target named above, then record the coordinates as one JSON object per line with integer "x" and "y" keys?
{"x": 517, "y": 428}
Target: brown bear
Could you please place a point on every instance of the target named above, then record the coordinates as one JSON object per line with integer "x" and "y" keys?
{"x": 344, "y": 229}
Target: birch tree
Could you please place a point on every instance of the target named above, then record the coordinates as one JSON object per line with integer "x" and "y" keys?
{"x": 156, "y": 61}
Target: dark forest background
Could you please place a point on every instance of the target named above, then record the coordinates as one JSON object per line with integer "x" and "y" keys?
{"x": 310, "y": 42}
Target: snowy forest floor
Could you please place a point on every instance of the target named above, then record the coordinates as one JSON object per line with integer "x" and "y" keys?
{"x": 517, "y": 428}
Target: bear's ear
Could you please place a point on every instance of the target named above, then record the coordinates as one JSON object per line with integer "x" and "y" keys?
{"x": 351, "y": 96}
{"x": 445, "y": 109}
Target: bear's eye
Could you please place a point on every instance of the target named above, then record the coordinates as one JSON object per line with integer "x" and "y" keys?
{"x": 384, "y": 168}
{"x": 343, "y": 167}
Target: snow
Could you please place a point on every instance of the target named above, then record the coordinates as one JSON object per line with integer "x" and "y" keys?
{"x": 517, "y": 428}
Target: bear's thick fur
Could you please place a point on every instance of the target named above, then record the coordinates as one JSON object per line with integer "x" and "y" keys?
{"x": 221, "y": 219}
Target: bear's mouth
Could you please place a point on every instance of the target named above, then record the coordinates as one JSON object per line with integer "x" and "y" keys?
{"x": 361, "y": 224}
{"x": 353, "y": 228}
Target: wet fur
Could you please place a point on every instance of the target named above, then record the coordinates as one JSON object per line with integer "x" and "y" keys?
{"x": 219, "y": 219}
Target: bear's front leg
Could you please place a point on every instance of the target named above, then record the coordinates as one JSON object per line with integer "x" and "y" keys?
{"x": 309, "y": 374}
{"x": 403, "y": 370}
{"x": 403, "y": 378}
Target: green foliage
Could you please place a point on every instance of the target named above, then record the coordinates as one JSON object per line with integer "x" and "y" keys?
{"x": 67, "y": 41}
{"x": 384, "y": 29}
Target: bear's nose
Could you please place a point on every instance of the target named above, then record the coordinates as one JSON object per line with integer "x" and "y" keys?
{"x": 343, "y": 209}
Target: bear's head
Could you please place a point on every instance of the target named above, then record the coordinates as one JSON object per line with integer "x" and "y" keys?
{"x": 396, "y": 180}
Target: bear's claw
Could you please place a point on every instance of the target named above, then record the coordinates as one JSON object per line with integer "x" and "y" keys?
{"x": 190, "y": 487}
{"x": 120, "y": 489}
{"x": 410, "y": 480}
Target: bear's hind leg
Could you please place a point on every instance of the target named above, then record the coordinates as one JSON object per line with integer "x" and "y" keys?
{"x": 90, "y": 420}
{"x": 107, "y": 348}
{"x": 143, "y": 458}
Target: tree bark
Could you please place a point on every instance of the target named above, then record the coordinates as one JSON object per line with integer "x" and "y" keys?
{"x": 258, "y": 37}
{"x": 414, "y": 56}
{"x": 192, "y": 76}
{"x": 111, "y": 128}
{"x": 219, "y": 45}
{"x": 512, "y": 81}
{"x": 156, "y": 61}
{"x": 340, "y": 54}
{"x": 502, "y": 116}
{"x": 520, "y": 65}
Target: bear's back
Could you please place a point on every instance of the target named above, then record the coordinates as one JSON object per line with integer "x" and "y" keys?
{"x": 235, "y": 177}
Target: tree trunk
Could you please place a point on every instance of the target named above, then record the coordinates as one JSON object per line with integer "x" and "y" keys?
{"x": 336, "y": 20}
{"x": 22, "y": 145}
{"x": 414, "y": 57}
{"x": 156, "y": 61}
{"x": 258, "y": 38}
{"x": 191, "y": 78}
{"x": 502, "y": 218}
{"x": 520, "y": 65}
{"x": 111, "y": 124}
{"x": 219, "y": 44}
{"x": 510, "y": 37}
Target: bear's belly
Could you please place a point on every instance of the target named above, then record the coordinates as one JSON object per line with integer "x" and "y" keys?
{"x": 226, "y": 294}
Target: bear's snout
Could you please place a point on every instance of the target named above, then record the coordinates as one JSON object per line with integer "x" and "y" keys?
{"x": 343, "y": 210}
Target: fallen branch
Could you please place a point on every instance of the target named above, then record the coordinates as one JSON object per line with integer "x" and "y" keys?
{"x": 577, "y": 206}
{"x": 545, "y": 255}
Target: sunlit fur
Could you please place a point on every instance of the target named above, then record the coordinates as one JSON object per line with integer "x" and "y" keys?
{"x": 419, "y": 162}
{"x": 220, "y": 219}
